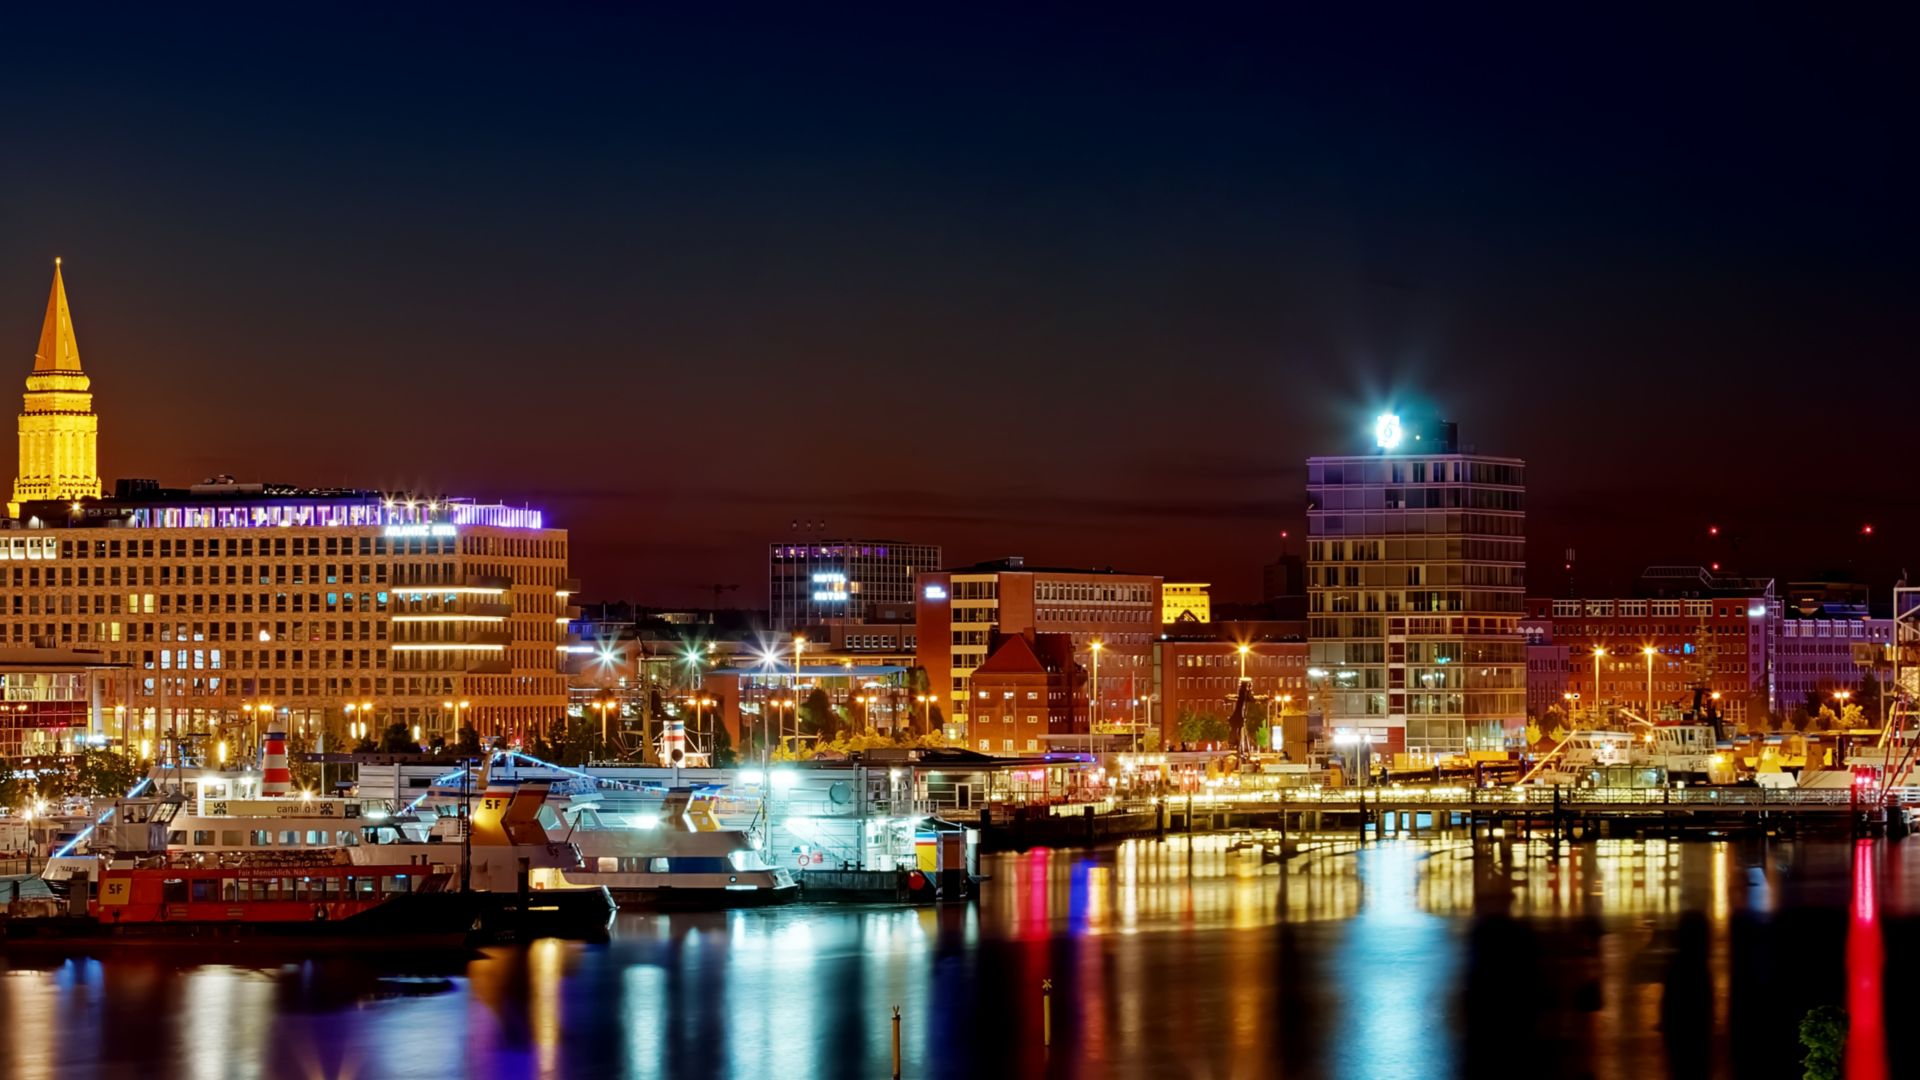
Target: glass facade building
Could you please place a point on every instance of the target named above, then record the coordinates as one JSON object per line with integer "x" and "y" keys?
{"x": 1416, "y": 588}
{"x": 826, "y": 582}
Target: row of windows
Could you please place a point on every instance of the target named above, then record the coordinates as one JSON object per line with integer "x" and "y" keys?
{"x": 1397, "y": 498}
{"x": 1417, "y": 549}
{"x": 1658, "y": 609}
{"x": 1387, "y": 470}
{"x": 1086, "y": 592}
{"x": 1342, "y": 602}
{"x": 1430, "y": 522}
{"x": 1399, "y": 575}
{"x": 265, "y": 547}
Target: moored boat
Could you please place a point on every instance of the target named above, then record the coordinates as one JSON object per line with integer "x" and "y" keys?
{"x": 396, "y": 904}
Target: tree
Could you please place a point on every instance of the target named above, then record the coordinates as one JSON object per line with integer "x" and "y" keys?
{"x": 722, "y": 756}
{"x": 1201, "y": 727}
{"x": 103, "y": 773}
{"x": 13, "y": 790}
{"x": 1558, "y": 735}
{"x": 1533, "y": 732}
{"x": 817, "y": 715}
{"x": 1824, "y": 1033}
{"x": 1556, "y": 717}
{"x": 467, "y": 741}
{"x": 396, "y": 739}
{"x": 305, "y": 774}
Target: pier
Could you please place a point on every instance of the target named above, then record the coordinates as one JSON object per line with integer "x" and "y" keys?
{"x": 1567, "y": 813}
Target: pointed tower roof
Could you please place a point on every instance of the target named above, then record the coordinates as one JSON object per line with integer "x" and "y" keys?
{"x": 59, "y": 350}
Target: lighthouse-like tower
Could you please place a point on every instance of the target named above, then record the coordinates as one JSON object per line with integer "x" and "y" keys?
{"x": 58, "y": 431}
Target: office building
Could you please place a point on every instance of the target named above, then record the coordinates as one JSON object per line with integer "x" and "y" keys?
{"x": 1185, "y": 603}
{"x": 961, "y": 609}
{"x": 1027, "y": 689}
{"x": 1416, "y": 585}
{"x": 55, "y": 699}
{"x": 1697, "y": 628}
{"x": 236, "y": 604}
{"x": 821, "y": 582}
{"x": 1819, "y": 656}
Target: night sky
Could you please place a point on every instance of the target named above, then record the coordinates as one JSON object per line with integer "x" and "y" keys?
{"x": 1082, "y": 288}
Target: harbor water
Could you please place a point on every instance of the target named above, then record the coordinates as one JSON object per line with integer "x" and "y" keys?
{"x": 1426, "y": 957}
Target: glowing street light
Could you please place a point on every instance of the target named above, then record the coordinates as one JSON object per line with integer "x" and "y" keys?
{"x": 1649, "y": 651}
{"x": 1598, "y": 652}
{"x": 1093, "y": 709}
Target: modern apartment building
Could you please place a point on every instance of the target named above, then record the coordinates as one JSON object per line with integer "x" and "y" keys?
{"x": 824, "y": 582}
{"x": 960, "y": 609}
{"x": 1416, "y": 567}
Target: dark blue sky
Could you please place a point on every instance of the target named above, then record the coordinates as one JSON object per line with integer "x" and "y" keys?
{"x": 1084, "y": 287}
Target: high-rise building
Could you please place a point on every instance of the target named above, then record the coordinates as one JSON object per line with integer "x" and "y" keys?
{"x": 823, "y": 582}
{"x": 960, "y": 610}
{"x": 227, "y": 598}
{"x": 224, "y": 604}
{"x": 58, "y": 431}
{"x": 1416, "y": 562}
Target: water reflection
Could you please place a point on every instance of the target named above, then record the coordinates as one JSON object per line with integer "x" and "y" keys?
{"x": 1215, "y": 956}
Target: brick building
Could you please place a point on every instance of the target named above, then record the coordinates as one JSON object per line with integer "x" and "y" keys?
{"x": 1702, "y": 629}
{"x": 959, "y": 611}
{"x": 1029, "y": 687}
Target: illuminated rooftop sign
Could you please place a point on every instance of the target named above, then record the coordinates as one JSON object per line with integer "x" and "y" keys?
{"x": 1387, "y": 432}
{"x": 435, "y": 529}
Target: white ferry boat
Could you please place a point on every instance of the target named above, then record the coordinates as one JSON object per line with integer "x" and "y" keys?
{"x": 678, "y": 858}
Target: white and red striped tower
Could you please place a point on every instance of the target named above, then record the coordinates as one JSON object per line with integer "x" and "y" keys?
{"x": 275, "y": 779}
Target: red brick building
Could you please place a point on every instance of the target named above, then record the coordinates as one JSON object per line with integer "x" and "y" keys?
{"x": 1028, "y": 688}
{"x": 959, "y": 611}
{"x": 1203, "y": 676}
{"x": 1702, "y": 629}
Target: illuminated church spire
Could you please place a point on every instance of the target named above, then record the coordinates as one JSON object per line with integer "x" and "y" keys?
{"x": 58, "y": 430}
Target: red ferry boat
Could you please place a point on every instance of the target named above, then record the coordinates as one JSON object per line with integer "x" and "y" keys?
{"x": 404, "y": 904}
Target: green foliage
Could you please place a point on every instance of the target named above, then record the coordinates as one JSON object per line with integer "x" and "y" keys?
{"x": 467, "y": 741}
{"x": 104, "y": 773}
{"x": 1533, "y": 732}
{"x": 14, "y": 792}
{"x": 722, "y": 755}
{"x": 1824, "y": 1033}
{"x": 305, "y": 773}
{"x": 1196, "y": 726}
{"x": 817, "y": 715}
{"x": 396, "y": 739}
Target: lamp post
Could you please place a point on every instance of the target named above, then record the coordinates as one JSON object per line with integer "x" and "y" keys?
{"x": 1093, "y": 707}
{"x": 1598, "y": 652}
{"x": 926, "y": 711}
{"x": 1244, "y": 650}
{"x": 1649, "y": 650}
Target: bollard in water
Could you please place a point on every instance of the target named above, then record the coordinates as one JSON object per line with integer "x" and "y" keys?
{"x": 896, "y": 1042}
{"x": 1047, "y": 1011}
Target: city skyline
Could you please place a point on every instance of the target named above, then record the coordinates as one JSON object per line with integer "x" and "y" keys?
{"x": 1101, "y": 319}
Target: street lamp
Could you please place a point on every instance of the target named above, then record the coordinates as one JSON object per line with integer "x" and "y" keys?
{"x": 1649, "y": 650}
{"x": 1093, "y": 707}
{"x": 1244, "y": 650}
{"x": 1598, "y": 652}
{"x": 926, "y": 710}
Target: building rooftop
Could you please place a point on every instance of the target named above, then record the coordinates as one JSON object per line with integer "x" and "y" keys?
{"x": 1016, "y": 564}
{"x": 224, "y": 503}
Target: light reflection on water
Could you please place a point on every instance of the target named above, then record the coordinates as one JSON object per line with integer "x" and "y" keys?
{"x": 1410, "y": 957}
